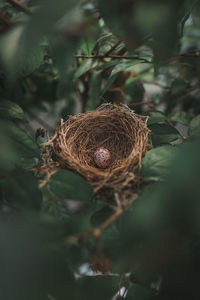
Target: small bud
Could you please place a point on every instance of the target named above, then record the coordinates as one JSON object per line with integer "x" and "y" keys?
{"x": 102, "y": 157}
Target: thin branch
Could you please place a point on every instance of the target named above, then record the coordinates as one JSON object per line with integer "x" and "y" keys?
{"x": 137, "y": 103}
{"x": 120, "y": 283}
{"x": 113, "y": 47}
{"x": 114, "y": 56}
{"x": 196, "y": 54}
{"x": 20, "y": 6}
{"x": 126, "y": 284}
{"x": 96, "y": 233}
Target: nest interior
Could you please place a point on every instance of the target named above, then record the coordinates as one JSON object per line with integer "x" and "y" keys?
{"x": 114, "y": 127}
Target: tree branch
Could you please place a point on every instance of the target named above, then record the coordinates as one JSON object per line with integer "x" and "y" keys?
{"x": 114, "y": 56}
{"x": 96, "y": 233}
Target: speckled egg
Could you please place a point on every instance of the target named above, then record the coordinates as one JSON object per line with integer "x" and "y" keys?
{"x": 102, "y": 157}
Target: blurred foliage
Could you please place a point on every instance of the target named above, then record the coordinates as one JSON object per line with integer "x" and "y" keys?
{"x": 59, "y": 58}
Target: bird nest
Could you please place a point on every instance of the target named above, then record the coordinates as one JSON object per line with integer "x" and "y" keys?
{"x": 117, "y": 129}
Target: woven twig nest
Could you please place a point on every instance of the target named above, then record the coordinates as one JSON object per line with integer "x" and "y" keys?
{"x": 117, "y": 129}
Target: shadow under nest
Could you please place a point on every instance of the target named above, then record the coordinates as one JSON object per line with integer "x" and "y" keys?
{"x": 114, "y": 127}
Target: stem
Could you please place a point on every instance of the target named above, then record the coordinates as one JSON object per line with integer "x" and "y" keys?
{"x": 120, "y": 283}
{"x": 114, "y": 56}
{"x": 119, "y": 209}
{"x": 97, "y": 232}
{"x": 196, "y": 53}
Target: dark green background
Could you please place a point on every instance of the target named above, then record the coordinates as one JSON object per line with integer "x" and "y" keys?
{"x": 59, "y": 58}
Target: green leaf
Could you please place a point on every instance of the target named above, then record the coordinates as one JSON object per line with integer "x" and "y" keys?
{"x": 94, "y": 90}
{"x": 62, "y": 51}
{"x": 33, "y": 61}
{"x": 70, "y": 186}
{"x": 122, "y": 66}
{"x": 163, "y": 134}
{"x": 136, "y": 230}
{"x": 23, "y": 40}
{"x": 180, "y": 117}
{"x": 194, "y": 128}
{"x": 87, "y": 45}
{"x": 178, "y": 86}
{"x": 13, "y": 59}
{"x": 108, "y": 64}
{"x": 157, "y": 162}
{"x": 107, "y": 36}
{"x": 109, "y": 82}
{"x": 24, "y": 143}
{"x": 125, "y": 66}
{"x": 11, "y": 110}
{"x": 20, "y": 189}
{"x": 85, "y": 66}
{"x": 30, "y": 243}
{"x": 17, "y": 147}
{"x": 145, "y": 72}
{"x": 155, "y": 117}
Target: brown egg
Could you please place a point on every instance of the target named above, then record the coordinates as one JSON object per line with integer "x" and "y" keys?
{"x": 102, "y": 157}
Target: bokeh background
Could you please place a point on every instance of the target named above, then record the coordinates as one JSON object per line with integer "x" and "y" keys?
{"x": 59, "y": 58}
